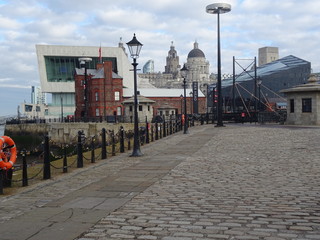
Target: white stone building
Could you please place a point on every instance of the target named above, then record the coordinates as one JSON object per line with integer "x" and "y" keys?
{"x": 303, "y": 103}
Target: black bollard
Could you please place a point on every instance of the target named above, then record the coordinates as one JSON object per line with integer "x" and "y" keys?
{"x": 176, "y": 126}
{"x": 121, "y": 139}
{"x": 170, "y": 127}
{"x": 152, "y": 133}
{"x": 46, "y": 159}
{"x": 65, "y": 162}
{"x": 79, "y": 151}
{"x": 160, "y": 130}
{"x": 129, "y": 144}
{"x": 113, "y": 144}
{"x": 92, "y": 150}
{"x": 157, "y": 133}
{"x": 24, "y": 169}
{"x": 164, "y": 127}
{"x": 103, "y": 146}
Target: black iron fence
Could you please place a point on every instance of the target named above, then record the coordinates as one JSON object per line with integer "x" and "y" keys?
{"x": 56, "y": 158}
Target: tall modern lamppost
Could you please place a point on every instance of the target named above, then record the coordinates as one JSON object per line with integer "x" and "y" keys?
{"x": 184, "y": 72}
{"x": 219, "y": 8}
{"x": 134, "y": 48}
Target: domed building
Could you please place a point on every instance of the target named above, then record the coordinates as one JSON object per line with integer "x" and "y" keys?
{"x": 198, "y": 66}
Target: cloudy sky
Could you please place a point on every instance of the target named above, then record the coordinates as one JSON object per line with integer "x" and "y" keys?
{"x": 291, "y": 25}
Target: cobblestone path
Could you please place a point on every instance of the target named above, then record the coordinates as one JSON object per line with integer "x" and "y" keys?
{"x": 246, "y": 182}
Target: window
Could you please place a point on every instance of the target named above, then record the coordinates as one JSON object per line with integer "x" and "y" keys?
{"x": 306, "y": 105}
{"x": 97, "y": 112}
{"x": 28, "y": 108}
{"x": 117, "y": 96}
{"x": 119, "y": 112}
{"x": 140, "y": 108}
{"x": 130, "y": 108}
{"x": 292, "y": 105}
{"x": 97, "y": 96}
{"x": 148, "y": 108}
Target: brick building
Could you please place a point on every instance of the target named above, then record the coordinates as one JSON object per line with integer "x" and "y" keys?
{"x": 106, "y": 95}
{"x": 104, "y": 91}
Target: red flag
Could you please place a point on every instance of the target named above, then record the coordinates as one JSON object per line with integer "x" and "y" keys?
{"x": 100, "y": 55}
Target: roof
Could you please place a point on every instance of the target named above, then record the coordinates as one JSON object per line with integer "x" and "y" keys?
{"x": 141, "y": 99}
{"x": 96, "y": 73}
{"x": 279, "y": 65}
{"x": 196, "y": 52}
{"x": 159, "y": 92}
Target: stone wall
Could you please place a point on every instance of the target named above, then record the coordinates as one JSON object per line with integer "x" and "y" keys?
{"x": 60, "y": 132}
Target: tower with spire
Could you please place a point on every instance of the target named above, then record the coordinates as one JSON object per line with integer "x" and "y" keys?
{"x": 172, "y": 66}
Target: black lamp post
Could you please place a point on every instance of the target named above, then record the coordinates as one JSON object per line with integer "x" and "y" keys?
{"x": 219, "y": 8}
{"x": 191, "y": 102}
{"x": 181, "y": 98}
{"x": 184, "y": 72}
{"x": 207, "y": 104}
{"x": 134, "y": 48}
{"x": 84, "y": 61}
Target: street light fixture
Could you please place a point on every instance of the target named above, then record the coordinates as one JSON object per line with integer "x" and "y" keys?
{"x": 184, "y": 73}
{"x": 134, "y": 48}
{"x": 219, "y": 8}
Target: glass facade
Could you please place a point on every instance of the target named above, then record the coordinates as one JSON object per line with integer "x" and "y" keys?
{"x": 284, "y": 73}
{"x": 61, "y": 69}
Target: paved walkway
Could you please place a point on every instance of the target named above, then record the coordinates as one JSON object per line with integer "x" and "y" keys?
{"x": 235, "y": 182}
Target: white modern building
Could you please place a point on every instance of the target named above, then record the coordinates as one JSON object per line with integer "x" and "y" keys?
{"x": 56, "y": 69}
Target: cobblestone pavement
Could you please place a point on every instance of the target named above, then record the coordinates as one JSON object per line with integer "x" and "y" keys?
{"x": 67, "y": 205}
{"x": 246, "y": 182}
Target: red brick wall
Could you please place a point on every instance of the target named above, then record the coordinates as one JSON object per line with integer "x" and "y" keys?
{"x": 103, "y": 88}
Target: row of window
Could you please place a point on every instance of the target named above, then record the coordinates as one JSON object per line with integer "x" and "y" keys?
{"x": 61, "y": 68}
{"x": 306, "y": 105}
{"x": 118, "y": 113}
{"x": 140, "y": 108}
{"x": 116, "y": 96}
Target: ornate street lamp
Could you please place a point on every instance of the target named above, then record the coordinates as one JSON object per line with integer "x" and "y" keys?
{"x": 184, "y": 73}
{"x": 84, "y": 61}
{"x": 134, "y": 48}
{"x": 219, "y": 8}
{"x": 181, "y": 98}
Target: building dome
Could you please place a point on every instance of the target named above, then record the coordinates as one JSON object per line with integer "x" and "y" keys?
{"x": 196, "y": 52}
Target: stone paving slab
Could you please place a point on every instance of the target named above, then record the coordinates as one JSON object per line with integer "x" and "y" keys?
{"x": 68, "y": 205}
{"x": 237, "y": 182}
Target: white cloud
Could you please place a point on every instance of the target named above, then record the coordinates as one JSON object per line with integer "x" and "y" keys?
{"x": 291, "y": 25}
